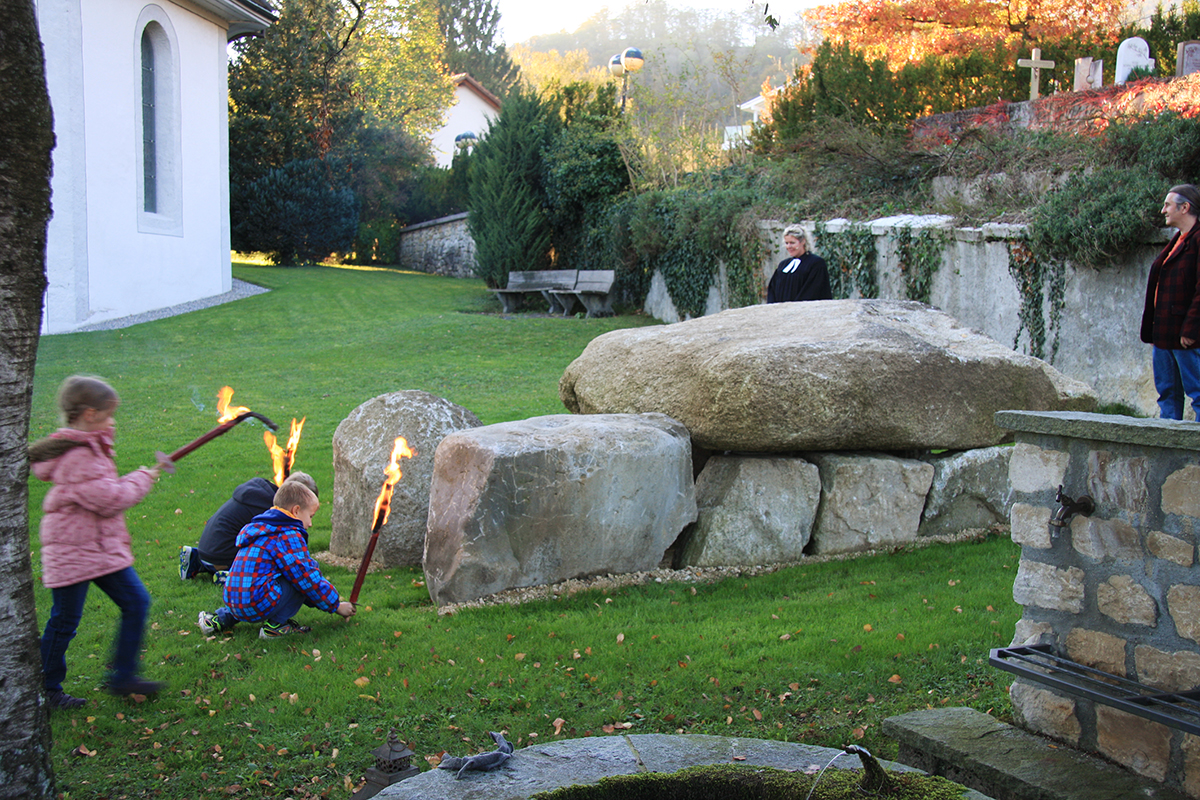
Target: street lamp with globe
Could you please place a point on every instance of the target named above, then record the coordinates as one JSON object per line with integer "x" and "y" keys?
{"x": 623, "y": 63}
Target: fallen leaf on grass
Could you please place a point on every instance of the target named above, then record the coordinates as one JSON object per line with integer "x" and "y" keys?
{"x": 757, "y": 715}
{"x": 519, "y": 657}
{"x": 558, "y": 723}
{"x": 895, "y": 679}
{"x": 785, "y": 637}
{"x": 620, "y": 638}
{"x": 858, "y": 733}
{"x": 361, "y": 681}
{"x": 868, "y": 627}
{"x": 82, "y": 750}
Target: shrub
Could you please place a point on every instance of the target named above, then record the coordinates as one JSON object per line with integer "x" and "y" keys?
{"x": 298, "y": 213}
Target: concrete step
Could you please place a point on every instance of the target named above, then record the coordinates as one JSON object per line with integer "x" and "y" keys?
{"x": 1007, "y": 763}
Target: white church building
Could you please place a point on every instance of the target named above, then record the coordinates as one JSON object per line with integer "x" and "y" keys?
{"x": 140, "y": 191}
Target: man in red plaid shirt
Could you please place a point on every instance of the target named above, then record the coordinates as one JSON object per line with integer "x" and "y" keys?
{"x": 273, "y": 574}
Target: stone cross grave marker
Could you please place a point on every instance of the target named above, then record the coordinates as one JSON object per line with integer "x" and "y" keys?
{"x": 1089, "y": 74}
{"x": 1036, "y": 64}
{"x": 1131, "y": 54}
{"x": 1187, "y": 58}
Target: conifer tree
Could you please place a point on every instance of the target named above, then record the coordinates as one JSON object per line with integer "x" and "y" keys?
{"x": 470, "y": 30}
{"x": 508, "y": 219}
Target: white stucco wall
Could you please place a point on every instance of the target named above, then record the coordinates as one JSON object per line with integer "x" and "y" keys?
{"x": 470, "y": 112}
{"x": 105, "y": 259}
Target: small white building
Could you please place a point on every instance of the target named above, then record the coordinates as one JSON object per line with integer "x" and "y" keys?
{"x": 140, "y": 190}
{"x": 473, "y": 109}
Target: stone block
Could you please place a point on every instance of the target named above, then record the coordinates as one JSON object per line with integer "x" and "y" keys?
{"x": 1045, "y": 712}
{"x": 753, "y": 510}
{"x": 1181, "y": 492}
{"x": 1171, "y": 548}
{"x": 1105, "y": 539}
{"x": 1183, "y": 604}
{"x": 1045, "y": 586}
{"x": 1190, "y": 750}
{"x": 1118, "y": 483}
{"x": 1097, "y": 650}
{"x": 1126, "y": 601}
{"x": 969, "y": 490}
{"x": 1033, "y": 469}
{"x": 1028, "y": 632}
{"x": 362, "y": 447}
{"x": 1171, "y": 672}
{"x": 1139, "y": 744}
{"x": 1030, "y": 525}
{"x": 550, "y": 498}
{"x": 868, "y": 500}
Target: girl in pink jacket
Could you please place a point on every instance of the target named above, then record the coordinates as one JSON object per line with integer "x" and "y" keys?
{"x": 84, "y": 539}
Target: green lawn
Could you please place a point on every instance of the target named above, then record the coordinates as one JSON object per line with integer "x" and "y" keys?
{"x": 819, "y": 653}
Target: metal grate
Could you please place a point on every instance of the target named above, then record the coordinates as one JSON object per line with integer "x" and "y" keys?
{"x": 1180, "y": 710}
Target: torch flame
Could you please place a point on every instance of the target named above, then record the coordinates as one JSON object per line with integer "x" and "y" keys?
{"x": 282, "y": 459}
{"x": 384, "y": 501}
{"x": 224, "y": 412}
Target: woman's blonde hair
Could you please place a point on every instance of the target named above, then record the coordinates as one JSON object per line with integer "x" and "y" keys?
{"x": 796, "y": 232}
{"x": 78, "y": 393}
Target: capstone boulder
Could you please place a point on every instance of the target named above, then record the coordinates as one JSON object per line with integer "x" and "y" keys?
{"x": 827, "y": 375}
{"x": 753, "y": 510}
{"x": 550, "y": 498}
{"x": 362, "y": 447}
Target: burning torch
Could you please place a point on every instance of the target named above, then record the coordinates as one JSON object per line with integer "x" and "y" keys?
{"x": 282, "y": 458}
{"x": 228, "y": 417}
{"x": 382, "y": 506}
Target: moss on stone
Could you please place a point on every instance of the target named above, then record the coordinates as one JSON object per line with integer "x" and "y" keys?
{"x": 737, "y": 782}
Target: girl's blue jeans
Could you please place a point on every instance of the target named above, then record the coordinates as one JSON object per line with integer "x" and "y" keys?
{"x": 124, "y": 588}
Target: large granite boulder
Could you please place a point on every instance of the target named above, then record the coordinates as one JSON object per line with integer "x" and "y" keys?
{"x": 826, "y": 375}
{"x": 868, "y": 500}
{"x": 362, "y": 447}
{"x": 752, "y": 510}
{"x": 545, "y": 499}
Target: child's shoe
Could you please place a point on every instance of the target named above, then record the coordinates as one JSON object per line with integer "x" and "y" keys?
{"x": 220, "y": 577}
{"x": 297, "y": 627}
{"x": 60, "y": 699}
{"x": 189, "y": 563}
{"x": 270, "y": 630}
{"x": 210, "y": 623}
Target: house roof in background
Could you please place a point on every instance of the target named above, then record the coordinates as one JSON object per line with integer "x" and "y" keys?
{"x": 244, "y": 16}
{"x": 463, "y": 79}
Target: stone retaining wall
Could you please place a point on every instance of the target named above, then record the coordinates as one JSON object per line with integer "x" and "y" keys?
{"x": 1118, "y": 590}
{"x": 439, "y": 247}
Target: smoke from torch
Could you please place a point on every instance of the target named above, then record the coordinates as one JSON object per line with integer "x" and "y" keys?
{"x": 383, "y": 505}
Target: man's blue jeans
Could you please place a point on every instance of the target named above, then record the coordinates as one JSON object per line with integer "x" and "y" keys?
{"x": 124, "y": 588}
{"x": 1176, "y": 374}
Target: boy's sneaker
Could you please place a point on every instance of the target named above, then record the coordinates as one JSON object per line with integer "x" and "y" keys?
{"x": 270, "y": 630}
{"x": 189, "y": 563}
{"x": 209, "y": 623}
{"x": 60, "y": 699}
{"x": 220, "y": 577}
{"x": 297, "y": 627}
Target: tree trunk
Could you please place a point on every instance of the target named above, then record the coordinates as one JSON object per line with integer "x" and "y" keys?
{"x": 26, "y": 138}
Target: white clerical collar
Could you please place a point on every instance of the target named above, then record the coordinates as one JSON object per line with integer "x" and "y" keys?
{"x": 792, "y": 265}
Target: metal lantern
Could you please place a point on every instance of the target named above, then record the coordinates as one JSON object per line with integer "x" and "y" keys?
{"x": 632, "y": 59}
{"x": 393, "y": 763}
{"x": 615, "y": 67}
{"x": 465, "y": 140}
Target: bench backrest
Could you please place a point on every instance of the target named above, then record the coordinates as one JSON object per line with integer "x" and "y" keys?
{"x": 534, "y": 280}
{"x": 595, "y": 280}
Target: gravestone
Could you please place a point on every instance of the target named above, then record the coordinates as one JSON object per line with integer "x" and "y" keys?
{"x": 1187, "y": 58}
{"x": 1132, "y": 54}
{"x": 1089, "y": 74}
{"x": 1035, "y": 64}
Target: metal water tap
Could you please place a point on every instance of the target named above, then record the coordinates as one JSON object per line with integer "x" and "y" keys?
{"x": 1068, "y": 508}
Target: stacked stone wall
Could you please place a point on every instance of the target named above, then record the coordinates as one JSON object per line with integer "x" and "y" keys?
{"x": 439, "y": 247}
{"x": 1118, "y": 590}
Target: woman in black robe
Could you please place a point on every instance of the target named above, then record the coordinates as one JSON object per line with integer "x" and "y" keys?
{"x": 800, "y": 276}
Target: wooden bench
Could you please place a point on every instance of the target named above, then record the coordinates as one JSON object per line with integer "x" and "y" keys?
{"x": 542, "y": 282}
{"x": 592, "y": 289}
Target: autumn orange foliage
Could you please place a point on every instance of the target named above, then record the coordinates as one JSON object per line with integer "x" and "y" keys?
{"x": 903, "y": 31}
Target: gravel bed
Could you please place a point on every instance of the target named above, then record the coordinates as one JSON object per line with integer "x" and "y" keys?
{"x": 240, "y": 289}
{"x": 514, "y": 597}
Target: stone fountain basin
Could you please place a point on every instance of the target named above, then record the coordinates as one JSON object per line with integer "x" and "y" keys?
{"x": 579, "y": 762}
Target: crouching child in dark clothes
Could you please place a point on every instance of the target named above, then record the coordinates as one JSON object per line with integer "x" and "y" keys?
{"x": 273, "y": 574}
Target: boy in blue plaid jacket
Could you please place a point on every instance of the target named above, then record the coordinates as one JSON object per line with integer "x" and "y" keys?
{"x": 273, "y": 574}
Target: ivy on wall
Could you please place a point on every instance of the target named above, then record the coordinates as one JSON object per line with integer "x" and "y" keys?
{"x": 920, "y": 256}
{"x": 1042, "y": 286}
{"x": 850, "y": 256}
